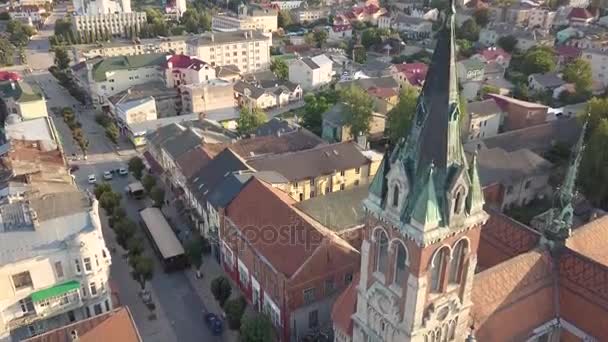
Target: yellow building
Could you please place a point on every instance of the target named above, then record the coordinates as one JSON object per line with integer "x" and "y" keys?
{"x": 321, "y": 170}
{"x": 22, "y": 99}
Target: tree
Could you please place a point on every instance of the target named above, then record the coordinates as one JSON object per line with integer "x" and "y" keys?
{"x": 279, "y": 68}
{"x": 579, "y": 73}
{"x": 360, "y": 54}
{"x": 62, "y": 60}
{"x": 109, "y": 200}
{"x": 598, "y": 111}
{"x": 112, "y": 132}
{"x": 256, "y": 328}
{"x": 465, "y": 48}
{"x": 538, "y": 60}
{"x": 135, "y": 246}
{"x": 194, "y": 250}
{"x": 7, "y": 52}
{"x": 136, "y": 167}
{"x": 468, "y": 30}
{"x": 369, "y": 37}
{"x": 400, "y": 117}
{"x": 481, "y": 16}
{"x": 221, "y": 289}
{"x": 314, "y": 108}
{"x": 594, "y": 167}
{"x": 148, "y": 182}
{"x": 284, "y": 19}
{"x": 234, "y": 309}
{"x": 488, "y": 89}
{"x": 249, "y": 120}
{"x": 157, "y": 195}
{"x": 358, "y": 109}
{"x": 507, "y": 43}
{"x": 320, "y": 37}
{"x": 125, "y": 230}
{"x": 100, "y": 189}
{"x": 143, "y": 270}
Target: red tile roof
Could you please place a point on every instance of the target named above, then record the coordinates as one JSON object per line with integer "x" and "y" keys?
{"x": 382, "y": 93}
{"x": 493, "y": 53}
{"x": 580, "y": 13}
{"x": 9, "y": 75}
{"x": 590, "y": 240}
{"x": 184, "y": 62}
{"x": 415, "y": 73}
{"x": 341, "y": 28}
{"x": 567, "y": 51}
{"x": 116, "y": 325}
{"x": 274, "y": 228}
{"x": 345, "y": 306}
{"x": 192, "y": 161}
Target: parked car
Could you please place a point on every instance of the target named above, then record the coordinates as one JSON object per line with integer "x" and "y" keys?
{"x": 107, "y": 175}
{"x": 92, "y": 179}
{"x": 214, "y": 323}
{"x": 74, "y": 168}
{"x": 123, "y": 171}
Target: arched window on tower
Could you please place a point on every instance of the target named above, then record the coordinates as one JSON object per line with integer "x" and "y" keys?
{"x": 401, "y": 269}
{"x": 458, "y": 201}
{"x": 381, "y": 251}
{"x": 438, "y": 269}
{"x": 395, "y": 196}
{"x": 457, "y": 263}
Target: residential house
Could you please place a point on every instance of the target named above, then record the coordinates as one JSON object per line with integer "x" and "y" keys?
{"x": 267, "y": 94}
{"x": 297, "y": 292}
{"x": 304, "y": 15}
{"x": 587, "y": 37}
{"x": 311, "y": 72}
{"x": 134, "y": 111}
{"x": 370, "y": 13}
{"x": 547, "y": 82}
{"x": 384, "y": 99}
{"x": 287, "y": 5}
{"x": 582, "y": 16}
{"x": 248, "y": 50}
{"x": 525, "y": 38}
{"x": 409, "y": 74}
{"x": 518, "y": 14}
{"x": 248, "y": 18}
{"x": 208, "y": 97}
{"x": 340, "y": 32}
{"x": 522, "y": 175}
{"x": 413, "y": 27}
{"x": 493, "y": 54}
{"x": 117, "y": 325}
{"x": 485, "y": 119}
{"x": 494, "y": 73}
{"x": 182, "y": 70}
{"x": 520, "y": 114}
{"x": 567, "y": 54}
{"x": 51, "y": 280}
{"x": 598, "y": 58}
{"x": 335, "y": 128}
{"x": 321, "y": 170}
{"x": 541, "y": 18}
{"x": 470, "y": 75}
{"x": 228, "y": 73}
{"x": 22, "y": 99}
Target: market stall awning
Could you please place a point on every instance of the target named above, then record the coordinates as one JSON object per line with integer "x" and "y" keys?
{"x": 55, "y": 291}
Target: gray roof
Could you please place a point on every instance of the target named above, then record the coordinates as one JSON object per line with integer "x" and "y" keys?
{"x": 378, "y": 82}
{"x": 275, "y": 126}
{"x": 153, "y": 125}
{"x": 61, "y": 217}
{"x": 409, "y": 20}
{"x": 182, "y": 143}
{"x": 483, "y": 108}
{"x": 34, "y": 129}
{"x": 228, "y": 188}
{"x": 548, "y": 80}
{"x": 213, "y": 38}
{"x": 163, "y": 133}
{"x": 499, "y": 166}
{"x": 310, "y": 63}
{"x": 337, "y": 210}
{"x": 537, "y": 138}
{"x": 334, "y": 115}
{"x": 321, "y": 160}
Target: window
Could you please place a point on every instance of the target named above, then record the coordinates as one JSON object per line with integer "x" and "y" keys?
{"x": 96, "y": 260}
{"x": 358, "y": 170}
{"x": 64, "y": 300}
{"x": 26, "y": 305}
{"x": 438, "y": 269}
{"x": 107, "y": 302}
{"x": 313, "y": 319}
{"x": 22, "y": 280}
{"x": 312, "y": 194}
{"x": 58, "y": 269}
{"x": 77, "y": 265}
{"x": 88, "y": 311}
{"x": 528, "y": 184}
{"x": 400, "y": 265}
{"x": 93, "y": 289}
{"x": 356, "y": 182}
{"x": 396, "y": 196}
{"x": 83, "y": 290}
{"x": 87, "y": 264}
{"x": 509, "y": 189}
{"x": 457, "y": 262}
{"x": 348, "y": 278}
{"x": 329, "y": 286}
{"x": 98, "y": 310}
{"x": 342, "y": 186}
{"x": 381, "y": 251}
{"x": 309, "y": 296}
{"x": 342, "y": 173}
{"x": 458, "y": 201}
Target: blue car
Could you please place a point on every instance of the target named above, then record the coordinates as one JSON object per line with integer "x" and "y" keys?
{"x": 214, "y": 323}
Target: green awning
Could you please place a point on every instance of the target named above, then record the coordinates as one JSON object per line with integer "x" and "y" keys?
{"x": 55, "y": 291}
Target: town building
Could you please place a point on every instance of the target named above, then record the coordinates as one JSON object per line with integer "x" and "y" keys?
{"x": 298, "y": 292}
{"x": 264, "y": 20}
{"x": 520, "y": 114}
{"x": 582, "y": 16}
{"x": 542, "y": 83}
{"x": 287, "y": 5}
{"x": 311, "y": 72}
{"x": 22, "y": 99}
{"x": 83, "y": 7}
{"x": 526, "y": 38}
{"x": 183, "y": 69}
{"x": 120, "y": 24}
{"x": 166, "y": 45}
{"x": 340, "y": 32}
{"x": 267, "y": 94}
{"x": 493, "y": 54}
{"x": 369, "y": 13}
{"x": 207, "y": 98}
{"x": 598, "y": 59}
{"x": 304, "y": 15}
{"x": 413, "y": 27}
{"x": 542, "y": 18}
{"x": 485, "y": 119}
{"x": 248, "y": 50}
{"x": 29, "y": 14}
{"x": 409, "y": 74}
{"x": 50, "y": 280}
{"x": 336, "y": 129}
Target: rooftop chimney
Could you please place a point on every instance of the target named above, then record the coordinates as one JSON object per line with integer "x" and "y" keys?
{"x": 212, "y": 37}
{"x": 74, "y": 335}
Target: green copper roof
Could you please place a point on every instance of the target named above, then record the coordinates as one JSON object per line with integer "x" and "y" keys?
{"x": 21, "y": 91}
{"x": 126, "y": 62}
{"x": 475, "y": 199}
{"x": 426, "y": 209}
{"x": 55, "y": 291}
{"x": 378, "y": 185}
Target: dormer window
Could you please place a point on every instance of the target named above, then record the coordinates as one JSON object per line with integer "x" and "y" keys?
{"x": 395, "y": 196}
{"x": 457, "y": 202}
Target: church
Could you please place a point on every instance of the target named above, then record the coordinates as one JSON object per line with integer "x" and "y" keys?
{"x": 438, "y": 265}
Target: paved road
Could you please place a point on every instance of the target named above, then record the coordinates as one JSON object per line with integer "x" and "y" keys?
{"x": 176, "y": 298}
{"x": 37, "y": 52}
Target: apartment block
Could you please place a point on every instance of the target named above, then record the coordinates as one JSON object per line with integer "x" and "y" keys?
{"x": 124, "y": 24}
{"x": 265, "y": 20}
{"x": 248, "y": 50}
{"x": 204, "y": 98}
{"x": 167, "y": 45}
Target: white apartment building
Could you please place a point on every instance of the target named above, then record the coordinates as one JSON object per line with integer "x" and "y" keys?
{"x": 598, "y": 58}
{"x": 54, "y": 264}
{"x": 136, "y": 111}
{"x": 248, "y": 50}
{"x": 87, "y": 7}
{"x": 287, "y": 5}
{"x": 265, "y": 20}
{"x": 541, "y": 18}
{"x": 125, "y": 24}
{"x": 183, "y": 69}
{"x": 22, "y": 99}
{"x": 311, "y": 73}
{"x": 172, "y": 45}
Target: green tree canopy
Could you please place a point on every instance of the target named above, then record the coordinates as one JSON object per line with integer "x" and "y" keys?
{"x": 142, "y": 269}
{"x": 194, "y": 250}
{"x": 482, "y": 16}
{"x": 538, "y": 60}
{"x": 221, "y": 289}
{"x": 469, "y": 30}
{"x": 370, "y": 36}
{"x": 579, "y": 73}
{"x": 320, "y": 37}
{"x": 250, "y": 119}
{"x": 400, "y": 117}
{"x": 100, "y": 189}
{"x": 136, "y": 167}
{"x": 598, "y": 110}
{"x": 157, "y": 194}
{"x": 358, "y": 109}
{"x": 256, "y": 328}
{"x": 7, "y": 52}
{"x": 284, "y": 19}
{"x": 109, "y": 200}
{"x": 279, "y": 68}
{"x": 148, "y": 182}
{"x": 594, "y": 167}
{"x": 507, "y": 43}
{"x": 234, "y": 309}
{"x": 314, "y": 108}
{"x": 62, "y": 59}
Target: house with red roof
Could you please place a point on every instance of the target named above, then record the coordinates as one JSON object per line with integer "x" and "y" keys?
{"x": 184, "y": 69}
{"x": 366, "y": 14}
{"x": 338, "y": 32}
{"x": 493, "y": 54}
{"x": 582, "y": 16}
{"x": 566, "y": 54}
{"x": 409, "y": 74}
{"x": 286, "y": 264}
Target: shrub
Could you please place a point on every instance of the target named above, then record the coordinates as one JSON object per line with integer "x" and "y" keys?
{"x": 221, "y": 289}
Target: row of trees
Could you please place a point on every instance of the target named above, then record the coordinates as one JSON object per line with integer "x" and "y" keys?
{"x": 61, "y": 73}
{"x": 109, "y": 126}
{"x": 76, "y": 128}
{"x": 593, "y": 177}
{"x": 155, "y": 191}
{"x": 14, "y": 41}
